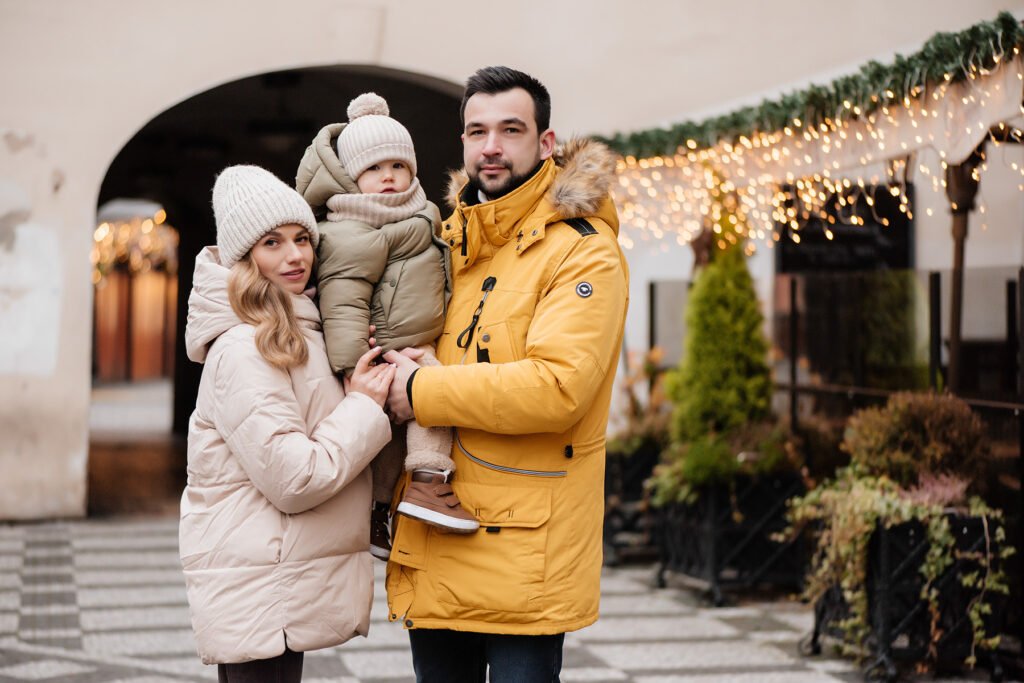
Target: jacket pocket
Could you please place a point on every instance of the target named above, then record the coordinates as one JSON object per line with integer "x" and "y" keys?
{"x": 229, "y": 530}
{"x": 500, "y": 568}
{"x": 410, "y": 536}
{"x": 494, "y": 341}
{"x": 507, "y": 469}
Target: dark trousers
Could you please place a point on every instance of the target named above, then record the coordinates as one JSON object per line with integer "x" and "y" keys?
{"x": 440, "y": 656}
{"x": 285, "y": 668}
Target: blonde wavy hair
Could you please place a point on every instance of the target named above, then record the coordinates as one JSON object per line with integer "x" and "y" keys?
{"x": 262, "y": 304}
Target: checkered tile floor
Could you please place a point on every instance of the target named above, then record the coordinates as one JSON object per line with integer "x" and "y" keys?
{"x": 92, "y": 601}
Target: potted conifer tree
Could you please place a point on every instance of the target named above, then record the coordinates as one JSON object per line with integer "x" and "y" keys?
{"x": 725, "y": 478}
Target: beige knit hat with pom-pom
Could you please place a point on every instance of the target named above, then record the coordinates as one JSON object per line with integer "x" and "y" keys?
{"x": 372, "y": 136}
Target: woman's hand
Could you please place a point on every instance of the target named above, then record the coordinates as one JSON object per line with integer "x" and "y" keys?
{"x": 371, "y": 380}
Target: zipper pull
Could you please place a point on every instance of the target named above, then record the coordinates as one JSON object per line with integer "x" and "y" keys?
{"x": 466, "y": 336}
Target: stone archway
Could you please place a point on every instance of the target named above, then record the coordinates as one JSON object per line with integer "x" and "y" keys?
{"x": 267, "y": 120}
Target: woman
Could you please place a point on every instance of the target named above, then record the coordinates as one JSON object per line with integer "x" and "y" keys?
{"x": 274, "y": 521}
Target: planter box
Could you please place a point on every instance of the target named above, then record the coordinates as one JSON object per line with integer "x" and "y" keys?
{"x": 900, "y": 618}
{"x": 629, "y": 522}
{"x": 724, "y": 539}
{"x": 624, "y": 475}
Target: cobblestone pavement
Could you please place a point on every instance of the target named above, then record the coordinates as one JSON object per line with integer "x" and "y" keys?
{"x": 95, "y": 601}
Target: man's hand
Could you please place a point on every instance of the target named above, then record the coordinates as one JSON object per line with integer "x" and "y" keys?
{"x": 398, "y": 399}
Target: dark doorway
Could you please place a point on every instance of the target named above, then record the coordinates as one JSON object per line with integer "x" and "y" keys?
{"x": 266, "y": 120}
{"x": 883, "y": 240}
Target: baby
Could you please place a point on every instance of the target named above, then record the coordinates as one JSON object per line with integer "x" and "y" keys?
{"x": 381, "y": 263}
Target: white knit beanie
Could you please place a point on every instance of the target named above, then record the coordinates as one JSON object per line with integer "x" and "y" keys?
{"x": 249, "y": 202}
{"x": 372, "y": 136}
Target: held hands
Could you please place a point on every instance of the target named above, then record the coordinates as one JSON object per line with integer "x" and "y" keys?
{"x": 371, "y": 380}
{"x": 398, "y": 398}
{"x": 403, "y": 364}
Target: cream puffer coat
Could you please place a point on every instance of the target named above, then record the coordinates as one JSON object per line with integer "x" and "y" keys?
{"x": 275, "y": 517}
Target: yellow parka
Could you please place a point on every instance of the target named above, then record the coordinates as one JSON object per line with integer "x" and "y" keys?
{"x": 529, "y": 351}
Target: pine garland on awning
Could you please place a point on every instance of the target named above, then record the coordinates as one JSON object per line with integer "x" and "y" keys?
{"x": 945, "y": 58}
{"x": 809, "y": 157}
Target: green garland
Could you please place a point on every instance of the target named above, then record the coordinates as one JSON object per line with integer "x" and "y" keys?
{"x": 946, "y": 56}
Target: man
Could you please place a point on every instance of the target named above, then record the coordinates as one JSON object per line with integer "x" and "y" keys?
{"x": 529, "y": 353}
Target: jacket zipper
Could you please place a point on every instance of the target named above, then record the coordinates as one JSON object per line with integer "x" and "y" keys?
{"x": 502, "y": 468}
{"x": 467, "y": 334}
{"x": 462, "y": 247}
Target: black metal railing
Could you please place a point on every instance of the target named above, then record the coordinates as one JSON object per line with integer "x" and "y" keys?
{"x": 1003, "y": 415}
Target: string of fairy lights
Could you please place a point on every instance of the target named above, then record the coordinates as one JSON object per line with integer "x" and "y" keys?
{"x": 824, "y": 170}
{"x": 138, "y": 245}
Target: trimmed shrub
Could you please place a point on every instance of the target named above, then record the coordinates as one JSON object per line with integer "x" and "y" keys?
{"x": 914, "y": 434}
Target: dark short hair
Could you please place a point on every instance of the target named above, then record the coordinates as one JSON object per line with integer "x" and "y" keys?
{"x": 492, "y": 80}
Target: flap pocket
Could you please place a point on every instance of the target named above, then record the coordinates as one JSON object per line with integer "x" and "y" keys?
{"x": 499, "y": 569}
{"x": 495, "y": 341}
{"x": 504, "y": 506}
{"x": 409, "y": 546}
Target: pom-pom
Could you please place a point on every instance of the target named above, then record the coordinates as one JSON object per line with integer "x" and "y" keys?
{"x": 367, "y": 104}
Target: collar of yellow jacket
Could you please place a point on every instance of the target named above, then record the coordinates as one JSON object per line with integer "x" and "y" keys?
{"x": 573, "y": 183}
{"x": 520, "y": 215}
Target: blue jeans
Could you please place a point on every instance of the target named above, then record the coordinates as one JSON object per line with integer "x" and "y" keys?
{"x": 440, "y": 656}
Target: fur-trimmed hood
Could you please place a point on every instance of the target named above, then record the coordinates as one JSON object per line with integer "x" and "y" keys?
{"x": 586, "y": 173}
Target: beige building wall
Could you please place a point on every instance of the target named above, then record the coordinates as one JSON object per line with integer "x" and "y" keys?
{"x": 78, "y": 79}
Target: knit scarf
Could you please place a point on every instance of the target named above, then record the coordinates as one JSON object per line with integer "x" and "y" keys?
{"x": 377, "y": 209}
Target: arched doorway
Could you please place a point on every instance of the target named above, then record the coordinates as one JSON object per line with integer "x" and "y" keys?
{"x": 267, "y": 120}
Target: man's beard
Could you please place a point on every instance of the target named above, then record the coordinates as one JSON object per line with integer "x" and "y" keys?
{"x": 511, "y": 183}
